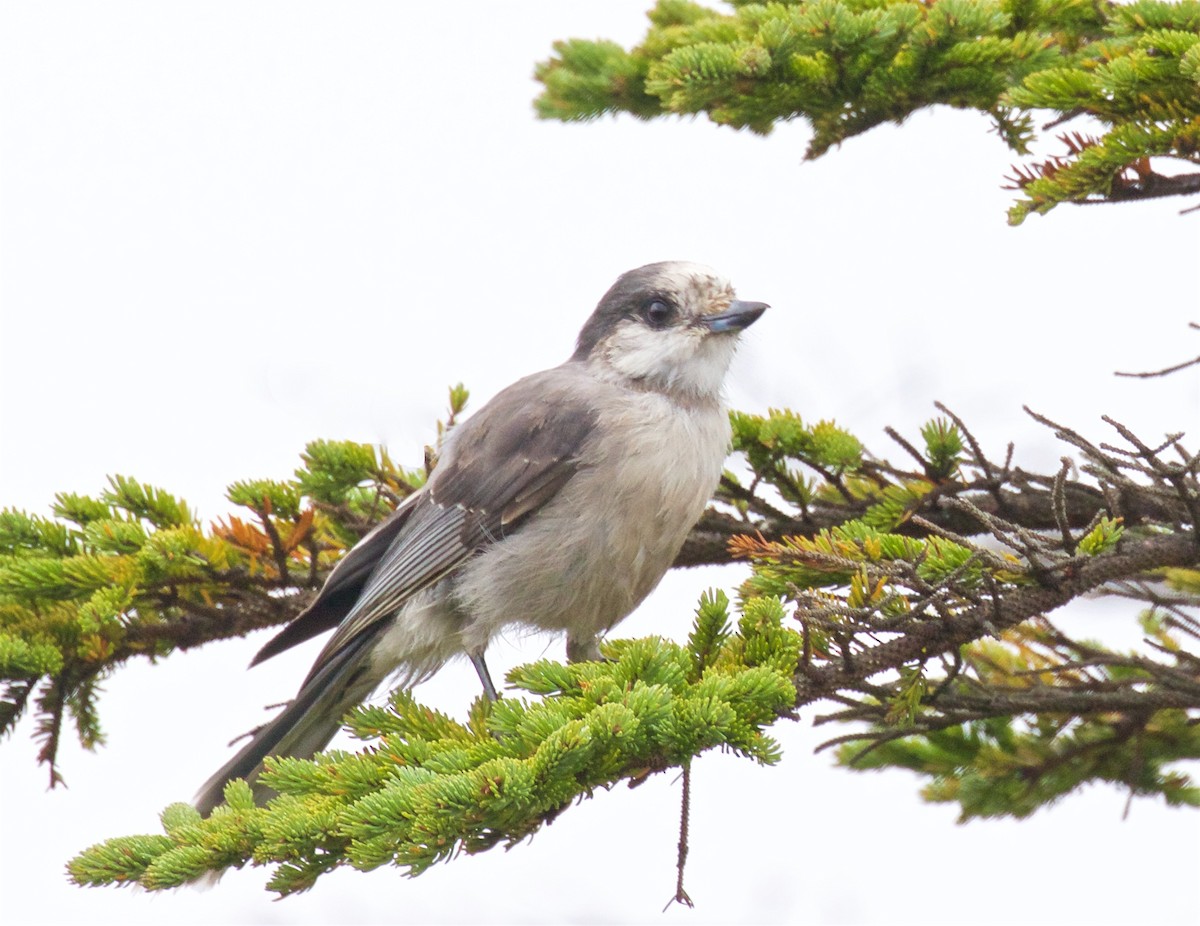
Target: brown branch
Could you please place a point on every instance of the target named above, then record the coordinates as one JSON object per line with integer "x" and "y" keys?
{"x": 1164, "y": 372}
{"x": 908, "y": 448}
{"x": 1150, "y": 185}
{"x": 1060, "y": 506}
{"x": 980, "y": 459}
{"x": 1008, "y": 610}
{"x": 198, "y": 624}
{"x": 754, "y": 502}
{"x": 1029, "y": 506}
{"x": 279, "y": 552}
{"x": 681, "y": 895}
{"x": 1005, "y": 702}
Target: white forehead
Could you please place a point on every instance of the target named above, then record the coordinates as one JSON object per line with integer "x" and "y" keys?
{"x": 695, "y": 284}
{"x": 683, "y": 274}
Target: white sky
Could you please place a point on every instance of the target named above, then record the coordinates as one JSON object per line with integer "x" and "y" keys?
{"x": 227, "y": 229}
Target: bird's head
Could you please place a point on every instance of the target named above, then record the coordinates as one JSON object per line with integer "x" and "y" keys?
{"x": 671, "y": 327}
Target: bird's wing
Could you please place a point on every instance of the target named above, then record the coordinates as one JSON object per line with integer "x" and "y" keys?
{"x": 343, "y": 585}
{"x": 499, "y": 467}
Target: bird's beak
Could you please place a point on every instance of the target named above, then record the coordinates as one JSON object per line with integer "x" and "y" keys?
{"x": 739, "y": 315}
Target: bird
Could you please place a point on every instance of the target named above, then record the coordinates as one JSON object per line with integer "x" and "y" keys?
{"x": 558, "y": 506}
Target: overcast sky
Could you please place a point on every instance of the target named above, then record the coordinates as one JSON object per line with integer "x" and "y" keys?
{"x": 227, "y": 229}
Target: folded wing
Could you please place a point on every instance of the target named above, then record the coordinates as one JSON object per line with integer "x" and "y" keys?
{"x": 499, "y": 467}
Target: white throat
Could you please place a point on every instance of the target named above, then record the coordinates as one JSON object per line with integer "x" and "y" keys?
{"x": 689, "y": 363}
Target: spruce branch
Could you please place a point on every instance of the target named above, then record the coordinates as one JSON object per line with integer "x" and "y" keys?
{"x": 891, "y": 572}
{"x": 431, "y": 787}
{"x": 1022, "y": 603}
{"x": 847, "y": 66}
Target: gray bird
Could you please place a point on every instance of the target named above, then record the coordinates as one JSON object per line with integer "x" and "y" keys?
{"x": 557, "y": 506}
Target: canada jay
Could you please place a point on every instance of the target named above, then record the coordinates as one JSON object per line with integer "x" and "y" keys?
{"x": 557, "y": 506}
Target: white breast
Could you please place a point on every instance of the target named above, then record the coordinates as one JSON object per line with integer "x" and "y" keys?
{"x": 596, "y": 550}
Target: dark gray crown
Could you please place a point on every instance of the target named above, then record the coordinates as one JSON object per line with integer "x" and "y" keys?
{"x": 634, "y": 290}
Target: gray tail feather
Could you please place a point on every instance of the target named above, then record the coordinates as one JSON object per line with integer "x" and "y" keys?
{"x": 303, "y": 728}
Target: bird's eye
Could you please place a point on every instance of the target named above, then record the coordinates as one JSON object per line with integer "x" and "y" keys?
{"x": 658, "y": 313}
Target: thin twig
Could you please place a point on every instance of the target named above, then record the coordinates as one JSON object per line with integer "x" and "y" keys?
{"x": 908, "y": 448}
{"x": 1163, "y": 372}
{"x": 1058, "y": 494}
{"x": 1065, "y": 117}
{"x": 1062, "y": 432}
{"x": 753, "y": 501}
{"x": 681, "y": 896}
{"x": 980, "y": 459}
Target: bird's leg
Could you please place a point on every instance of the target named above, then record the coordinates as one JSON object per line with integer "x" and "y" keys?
{"x": 583, "y": 650}
{"x": 485, "y": 677}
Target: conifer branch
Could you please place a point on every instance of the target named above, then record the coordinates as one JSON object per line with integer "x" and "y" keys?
{"x": 1001, "y": 613}
{"x": 883, "y": 568}
{"x": 432, "y": 787}
{"x": 850, "y": 65}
